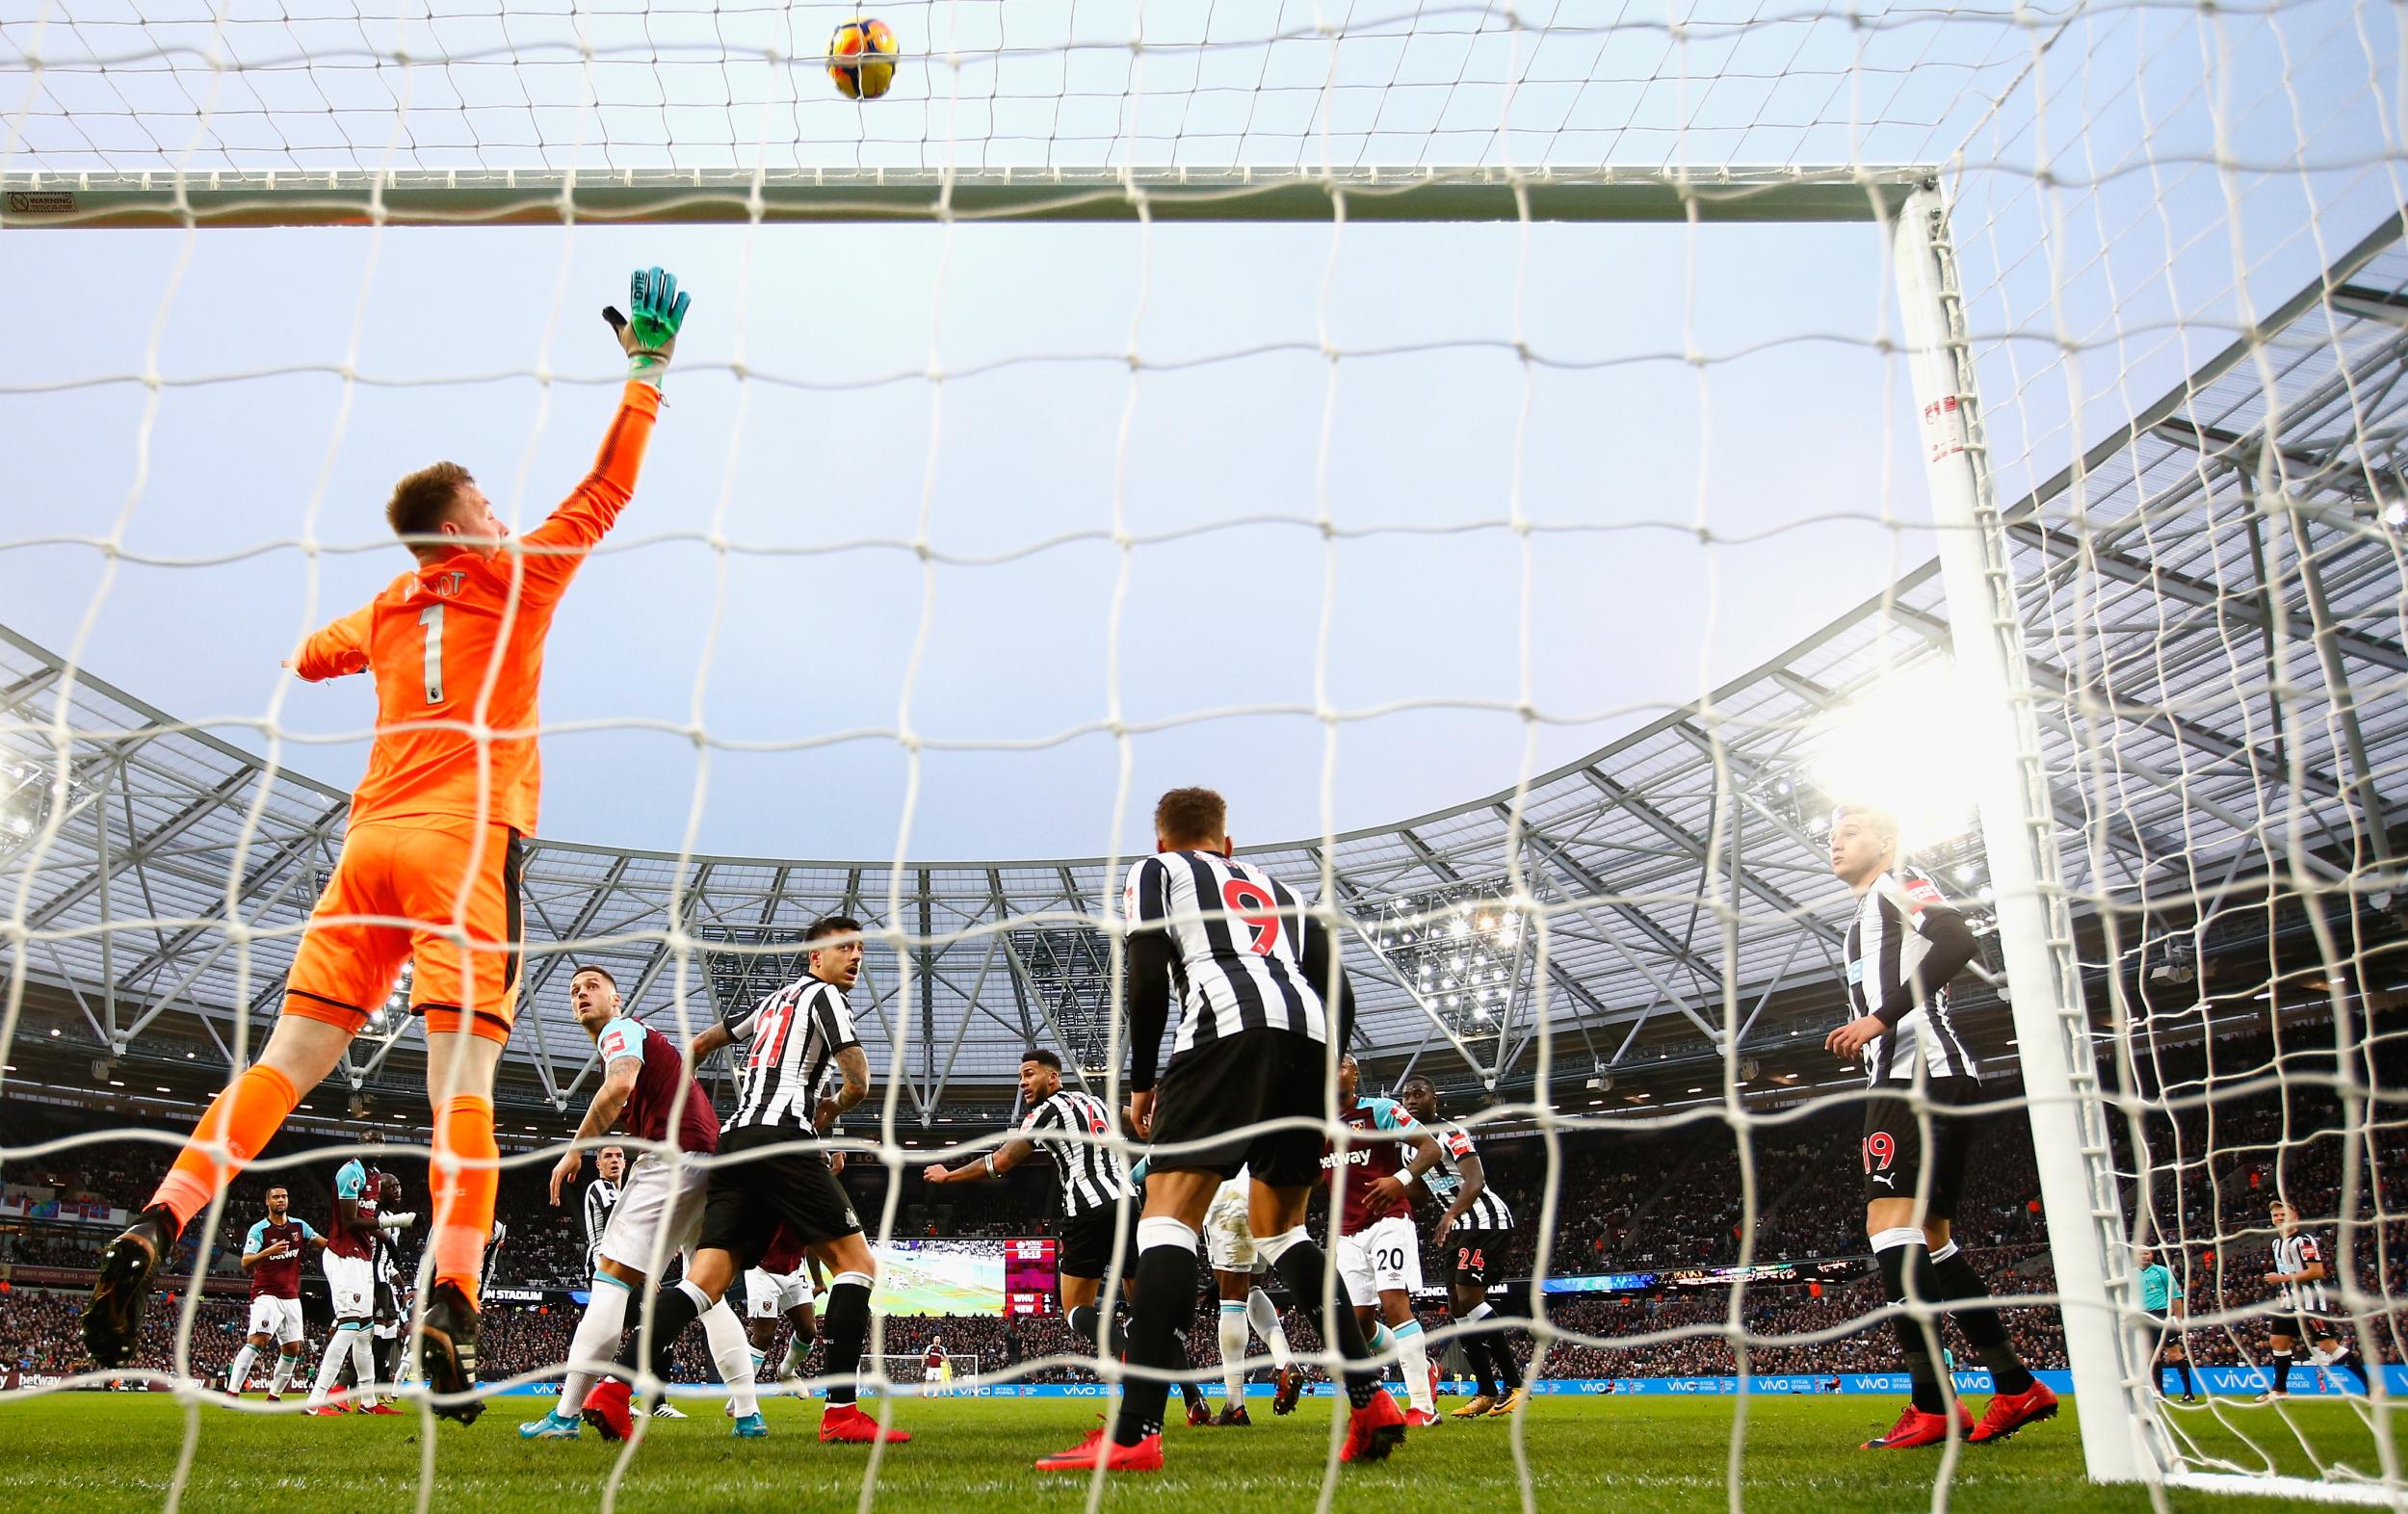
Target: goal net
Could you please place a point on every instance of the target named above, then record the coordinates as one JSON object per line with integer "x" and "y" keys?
{"x": 1538, "y": 464}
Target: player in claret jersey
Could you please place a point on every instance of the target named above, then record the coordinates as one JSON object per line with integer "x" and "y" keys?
{"x": 272, "y": 1254}
{"x": 648, "y": 1085}
{"x": 1379, "y": 1253}
{"x": 352, "y": 1237}
{"x": 456, "y": 646}
{"x": 781, "y": 1288}
{"x": 1263, "y": 1007}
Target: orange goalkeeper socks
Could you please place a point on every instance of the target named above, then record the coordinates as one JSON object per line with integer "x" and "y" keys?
{"x": 243, "y": 1118}
{"x": 463, "y": 1195}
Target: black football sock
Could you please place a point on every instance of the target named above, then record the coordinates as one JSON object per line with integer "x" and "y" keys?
{"x": 1500, "y": 1353}
{"x": 673, "y": 1308}
{"x": 1165, "y": 1277}
{"x": 1901, "y": 1252}
{"x": 1301, "y": 1266}
{"x": 2183, "y": 1370}
{"x": 2280, "y": 1372}
{"x": 1476, "y": 1344}
{"x": 845, "y": 1327}
{"x": 1190, "y": 1391}
{"x": 1083, "y": 1323}
{"x": 1984, "y": 1330}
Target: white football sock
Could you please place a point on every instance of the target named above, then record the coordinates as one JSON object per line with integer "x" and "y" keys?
{"x": 731, "y": 1351}
{"x": 364, "y": 1363}
{"x": 285, "y": 1361}
{"x": 1233, "y": 1332}
{"x": 596, "y": 1340}
{"x": 330, "y": 1364}
{"x": 1266, "y": 1318}
{"x": 239, "y": 1373}
{"x": 1415, "y": 1353}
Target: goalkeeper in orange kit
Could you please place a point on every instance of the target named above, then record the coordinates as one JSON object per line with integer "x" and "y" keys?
{"x": 430, "y": 868}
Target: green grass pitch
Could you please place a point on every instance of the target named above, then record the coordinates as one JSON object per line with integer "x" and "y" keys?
{"x": 97, "y": 1454}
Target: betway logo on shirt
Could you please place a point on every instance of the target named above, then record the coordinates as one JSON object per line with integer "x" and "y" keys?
{"x": 1358, "y": 1157}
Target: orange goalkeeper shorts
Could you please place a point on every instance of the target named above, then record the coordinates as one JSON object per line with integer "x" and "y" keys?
{"x": 410, "y": 873}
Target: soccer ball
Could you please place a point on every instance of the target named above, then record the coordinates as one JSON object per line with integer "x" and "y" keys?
{"x": 861, "y": 58}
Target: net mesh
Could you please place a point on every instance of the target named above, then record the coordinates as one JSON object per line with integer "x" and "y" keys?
{"x": 1436, "y": 474}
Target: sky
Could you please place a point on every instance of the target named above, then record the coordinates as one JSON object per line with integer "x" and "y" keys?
{"x": 1717, "y": 447}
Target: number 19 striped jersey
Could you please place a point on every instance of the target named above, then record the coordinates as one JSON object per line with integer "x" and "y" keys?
{"x": 1092, "y": 1176}
{"x": 1237, "y": 938}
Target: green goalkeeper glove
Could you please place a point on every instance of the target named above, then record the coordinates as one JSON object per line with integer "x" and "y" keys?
{"x": 651, "y": 336}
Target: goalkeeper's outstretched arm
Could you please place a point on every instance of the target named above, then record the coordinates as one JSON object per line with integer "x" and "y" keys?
{"x": 555, "y": 549}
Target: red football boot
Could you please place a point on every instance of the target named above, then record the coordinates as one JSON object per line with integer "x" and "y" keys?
{"x": 846, "y": 1423}
{"x": 2010, "y": 1412}
{"x": 1146, "y": 1455}
{"x": 1915, "y": 1427}
{"x": 1374, "y": 1430}
{"x": 606, "y": 1410}
{"x": 323, "y": 1411}
{"x": 380, "y": 1407}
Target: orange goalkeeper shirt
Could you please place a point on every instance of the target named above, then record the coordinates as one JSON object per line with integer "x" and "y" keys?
{"x": 457, "y": 642}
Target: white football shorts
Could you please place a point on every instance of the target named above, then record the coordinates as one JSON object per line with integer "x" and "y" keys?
{"x": 1386, "y": 1256}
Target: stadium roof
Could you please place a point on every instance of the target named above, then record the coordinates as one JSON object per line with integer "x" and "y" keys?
{"x": 2216, "y": 679}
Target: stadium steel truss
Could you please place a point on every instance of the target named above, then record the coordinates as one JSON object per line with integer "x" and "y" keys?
{"x": 2213, "y": 598}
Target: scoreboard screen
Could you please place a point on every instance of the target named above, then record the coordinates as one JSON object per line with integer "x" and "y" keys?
{"x": 965, "y": 1276}
{"x": 1029, "y": 1277}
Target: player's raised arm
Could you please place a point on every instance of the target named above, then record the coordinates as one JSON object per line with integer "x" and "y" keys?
{"x": 335, "y": 649}
{"x": 555, "y": 549}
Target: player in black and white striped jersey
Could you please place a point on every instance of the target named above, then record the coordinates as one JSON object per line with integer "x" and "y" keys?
{"x": 1263, "y": 1013}
{"x": 1473, "y": 1235}
{"x": 786, "y": 1044}
{"x": 609, "y": 1166}
{"x": 1098, "y": 1200}
{"x": 2303, "y": 1304}
{"x": 1095, "y": 1189}
{"x": 1905, "y": 945}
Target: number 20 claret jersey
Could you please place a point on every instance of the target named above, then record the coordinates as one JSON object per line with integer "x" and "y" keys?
{"x": 459, "y": 640}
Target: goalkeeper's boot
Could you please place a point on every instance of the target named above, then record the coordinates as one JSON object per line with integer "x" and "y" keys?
{"x": 2010, "y": 1412}
{"x": 1374, "y": 1430}
{"x": 607, "y": 1409}
{"x": 1512, "y": 1405}
{"x": 551, "y": 1427}
{"x": 1291, "y": 1385}
{"x": 846, "y": 1423}
{"x": 1478, "y": 1407}
{"x": 1915, "y": 1427}
{"x": 749, "y": 1427}
{"x": 1423, "y": 1418}
{"x": 447, "y": 1351}
{"x": 112, "y": 1321}
{"x": 1233, "y": 1413}
{"x": 1146, "y": 1455}
{"x": 1199, "y": 1412}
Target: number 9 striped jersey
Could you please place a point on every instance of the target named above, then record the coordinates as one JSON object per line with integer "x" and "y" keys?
{"x": 1237, "y": 938}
